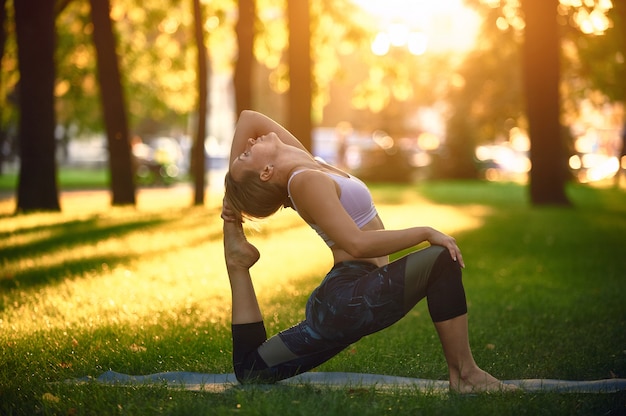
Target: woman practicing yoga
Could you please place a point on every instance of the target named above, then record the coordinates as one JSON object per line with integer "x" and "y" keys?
{"x": 363, "y": 292}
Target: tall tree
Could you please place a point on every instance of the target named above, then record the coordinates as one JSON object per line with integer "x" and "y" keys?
{"x": 3, "y": 39}
{"x": 245, "y": 55}
{"x": 300, "y": 71}
{"x": 114, "y": 105}
{"x": 540, "y": 62}
{"x": 202, "y": 74}
{"x": 486, "y": 99}
{"x": 37, "y": 186}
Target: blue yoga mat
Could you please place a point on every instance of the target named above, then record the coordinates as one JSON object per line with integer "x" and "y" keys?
{"x": 222, "y": 382}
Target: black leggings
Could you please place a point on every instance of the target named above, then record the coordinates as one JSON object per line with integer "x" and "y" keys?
{"x": 355, "y": 299}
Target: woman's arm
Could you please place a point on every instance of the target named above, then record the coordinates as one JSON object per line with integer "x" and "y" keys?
{"x": 318, "y": 202}
{"x": 251, "y": 125}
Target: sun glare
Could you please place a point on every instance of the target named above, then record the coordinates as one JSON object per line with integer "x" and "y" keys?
{"x": 422, "y": 25}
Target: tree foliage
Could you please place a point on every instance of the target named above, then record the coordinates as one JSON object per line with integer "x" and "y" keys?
{"x": 485, "y": 98}
{"x": 590, "y": 59}
{"x": 596, "y": 61}
{"x": 156, "y": 46}
{"x": 9, "y": 76}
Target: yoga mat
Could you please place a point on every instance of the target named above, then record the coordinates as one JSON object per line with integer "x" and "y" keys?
{"x": 221, "y": 382}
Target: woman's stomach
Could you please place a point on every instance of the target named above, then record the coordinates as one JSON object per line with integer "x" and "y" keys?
{"x": 340, "y": 255}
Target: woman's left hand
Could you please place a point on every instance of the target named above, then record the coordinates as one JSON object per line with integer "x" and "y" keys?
{"x": 440, "y": 239}
{"x": 228, "y": 215}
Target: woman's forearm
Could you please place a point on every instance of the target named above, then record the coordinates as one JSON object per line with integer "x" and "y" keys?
{"x": 377, "y": 243}
{"x": 252, "y": 124}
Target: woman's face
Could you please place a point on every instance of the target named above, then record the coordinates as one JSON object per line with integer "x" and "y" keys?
{"x": 256, "y": 156}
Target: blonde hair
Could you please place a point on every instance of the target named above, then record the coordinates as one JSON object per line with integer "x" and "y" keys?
{"x": 252, "y": 198}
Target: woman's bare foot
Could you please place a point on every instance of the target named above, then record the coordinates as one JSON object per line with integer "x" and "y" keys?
{"x": 239, "y": 253}
{"x": 479, "y": 381}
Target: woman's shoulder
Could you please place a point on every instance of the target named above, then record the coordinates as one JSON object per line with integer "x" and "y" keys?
{"x": 311, "y": 189}
{"x": 310, "y": 180}
{"x": 306, "y": 175}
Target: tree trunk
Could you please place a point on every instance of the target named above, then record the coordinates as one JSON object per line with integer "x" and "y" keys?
{"x": 245, "y": 56}
{"x": 540, "y": 56}
{"x": 114, "y": 106}
{"x": 3, "y": 39}
{"x": 300, "y": 71}
{"x": 198, "y": 146}
{"x": 37, "y": 186}
{"x": 457, "y": 160}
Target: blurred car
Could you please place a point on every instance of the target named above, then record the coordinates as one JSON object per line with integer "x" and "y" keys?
{"x": 502, "y": 162}
{"x": 157, "y": 161}
{"x": 216, "y": 154}
{"x": 375, "y": 157}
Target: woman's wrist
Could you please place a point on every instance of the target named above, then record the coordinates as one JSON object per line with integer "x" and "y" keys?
{"x": 429, "y": 233}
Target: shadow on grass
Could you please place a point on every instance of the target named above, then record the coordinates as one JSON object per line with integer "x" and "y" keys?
{"x": 69, "y": 234}
{"x": 33, "y": 277}
{"x": 49, "y": 239}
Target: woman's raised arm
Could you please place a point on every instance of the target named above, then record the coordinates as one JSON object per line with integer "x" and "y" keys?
{"x": 251, "y": 125}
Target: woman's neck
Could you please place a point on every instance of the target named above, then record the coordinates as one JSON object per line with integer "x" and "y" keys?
{"x": 291, "y": 161}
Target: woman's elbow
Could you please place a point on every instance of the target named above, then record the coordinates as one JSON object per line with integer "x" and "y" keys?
{"x": 355, "y": 248}
{"x": 245, "y": 114}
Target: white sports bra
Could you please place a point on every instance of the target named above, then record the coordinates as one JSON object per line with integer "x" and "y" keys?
{"x": 355, "y": 199}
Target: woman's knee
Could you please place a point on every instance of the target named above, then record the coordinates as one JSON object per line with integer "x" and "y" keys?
{"x": 446, "y": 294}
{"x": 446, "y": 262}
{"x": 421, "y": 269}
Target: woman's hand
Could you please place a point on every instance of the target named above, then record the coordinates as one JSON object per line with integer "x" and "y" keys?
{"x": 440, "y": 239}
{"x": 228, "y": 215}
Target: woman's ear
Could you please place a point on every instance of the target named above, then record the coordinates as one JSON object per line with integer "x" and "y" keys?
{"x": 267, "y": 173}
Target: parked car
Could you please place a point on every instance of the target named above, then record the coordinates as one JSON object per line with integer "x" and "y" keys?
{"x": 158, "y": 161}
{"x": 374, "y": 157}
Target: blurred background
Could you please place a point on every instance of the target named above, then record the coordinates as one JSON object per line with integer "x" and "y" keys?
{"x": 393, "y": 91}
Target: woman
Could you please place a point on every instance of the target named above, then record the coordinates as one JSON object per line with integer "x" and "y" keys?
{"x": 363, "y": 292}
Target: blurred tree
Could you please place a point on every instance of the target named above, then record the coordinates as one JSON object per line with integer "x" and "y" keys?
{"x": 242, "y": 77}
{"x": 202, "y": 79}
{"x": 78, "y": 102}
{"x": 583, "y": 60}
{"x": 3, "y": 41}
{"x": 37, "y": 187}
{"x": 335, "y": 27}
{"x": 540, "y": 53}
{"x": 596, "y": 59}
{"x": 620, "y": 56}
{"x": 156, "y": 52}
{"x": 485, "y": 99}
{"x": 114, "y": 106}
{"x": 300, "y": 72}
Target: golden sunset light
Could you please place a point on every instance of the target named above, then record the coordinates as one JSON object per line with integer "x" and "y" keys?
{"x": 422, "y": 25}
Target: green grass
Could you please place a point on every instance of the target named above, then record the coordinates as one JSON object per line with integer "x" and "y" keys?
{"x": 144, "y": 290}
{"x": 68, "y": 178}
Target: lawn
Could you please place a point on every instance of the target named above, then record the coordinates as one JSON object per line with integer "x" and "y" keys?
{"x": 69, "y": 178}
{"x": 144, "y": 290}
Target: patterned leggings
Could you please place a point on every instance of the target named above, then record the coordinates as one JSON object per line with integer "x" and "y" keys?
{"x": 355, "y": 299}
